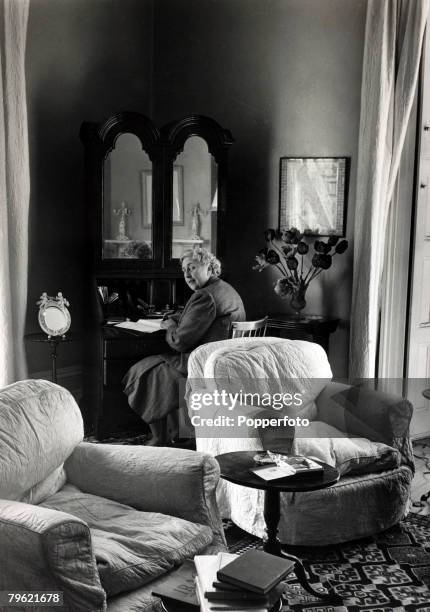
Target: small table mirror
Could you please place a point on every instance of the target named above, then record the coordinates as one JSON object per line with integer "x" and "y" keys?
{"x": 54, "y": 317}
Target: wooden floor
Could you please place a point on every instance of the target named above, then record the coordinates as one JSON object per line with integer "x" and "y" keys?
{"x": 421, "y": 481}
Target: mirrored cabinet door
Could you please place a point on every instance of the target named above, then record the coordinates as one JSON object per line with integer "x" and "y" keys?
{"x": 153, "y": 193}
{"x": 127, "y": 201}
{"x": 194, "y": 198}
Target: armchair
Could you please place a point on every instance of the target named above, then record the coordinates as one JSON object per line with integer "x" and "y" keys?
{"x": 364, "y": 433}
{"x": 101, "y": 523}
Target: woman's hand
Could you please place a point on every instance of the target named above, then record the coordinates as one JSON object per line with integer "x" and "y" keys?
{"x": 167, "y": 323}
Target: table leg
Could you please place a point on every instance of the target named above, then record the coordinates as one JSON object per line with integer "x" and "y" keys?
{"x": 272, "y": 545}
{"x": 272, "y": 514}
{"x": 53, "y": 345}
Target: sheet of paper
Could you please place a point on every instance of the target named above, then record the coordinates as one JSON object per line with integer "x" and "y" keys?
{"x": 143, "y": 325}
{"x": 208, "y": 565}
{"x": 273, "y": 472}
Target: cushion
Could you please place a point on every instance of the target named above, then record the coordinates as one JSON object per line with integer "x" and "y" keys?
{"x": 348, "y": 455}
{"x": 131, "y": 547}
{"x": 46, "y": 487}
{"x": 40, "y": 425}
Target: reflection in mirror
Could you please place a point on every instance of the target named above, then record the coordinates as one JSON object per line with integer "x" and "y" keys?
{"x": 195, "y": 198}
{"x": 127, "y": 201}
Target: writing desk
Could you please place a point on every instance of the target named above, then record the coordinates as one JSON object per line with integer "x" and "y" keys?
{"x": 118, "y": 350}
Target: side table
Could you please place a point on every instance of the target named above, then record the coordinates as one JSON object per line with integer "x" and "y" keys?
{"x": 235, "y": 467}
{"x": 53, "y": 342}
{"x": 426, "y": 496}
{"x": 302, "y": 327}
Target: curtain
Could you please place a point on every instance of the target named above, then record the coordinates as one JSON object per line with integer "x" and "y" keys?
{"x": 393, "y": 43}
{"x": 14, "y": 189}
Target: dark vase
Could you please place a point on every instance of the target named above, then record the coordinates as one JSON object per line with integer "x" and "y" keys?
{"x": 298, "y": 301}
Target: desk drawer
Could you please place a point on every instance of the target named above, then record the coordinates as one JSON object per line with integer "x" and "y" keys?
{"x": 133, "y": 347}
{"x": 114, "y": 370}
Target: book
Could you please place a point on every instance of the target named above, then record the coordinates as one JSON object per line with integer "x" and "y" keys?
{"x": 237, "y": 595}
{"x": 208, "y": 565}
{"x": 224, "y": 586}
{"x": 178, "y": 588}
{"x": 226, "y": 606}
{"x": 245, "y": 598}
{"x": 256, "y": 571}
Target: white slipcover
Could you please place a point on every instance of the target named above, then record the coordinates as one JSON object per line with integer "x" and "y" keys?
{"x": 263, "y": 365}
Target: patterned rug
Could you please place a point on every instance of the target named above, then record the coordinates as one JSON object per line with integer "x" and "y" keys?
{"x": 387, "y": 573}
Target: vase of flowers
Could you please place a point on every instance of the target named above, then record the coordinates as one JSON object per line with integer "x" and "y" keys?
{"x": 288, "y": 252}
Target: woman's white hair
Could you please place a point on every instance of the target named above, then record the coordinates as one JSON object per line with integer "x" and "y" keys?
{"x": 203, "y": 256}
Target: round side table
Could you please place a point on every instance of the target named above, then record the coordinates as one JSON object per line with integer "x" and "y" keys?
{"x": 53, "y": 342}
{"x": 235, "y": 467}
{"x": 426, "y": 496}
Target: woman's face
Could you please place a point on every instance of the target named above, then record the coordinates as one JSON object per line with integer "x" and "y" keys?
{"x": 196, "y": 274}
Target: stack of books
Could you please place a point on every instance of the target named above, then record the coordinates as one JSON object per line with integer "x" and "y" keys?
{"x": 251, "y": 582}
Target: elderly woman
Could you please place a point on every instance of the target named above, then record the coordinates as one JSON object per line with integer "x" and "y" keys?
{"x": 152, "y": 384}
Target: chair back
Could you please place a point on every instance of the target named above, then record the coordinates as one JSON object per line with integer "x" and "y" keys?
{"x": 241, "y": 329}
{"x": 40, "y": 425}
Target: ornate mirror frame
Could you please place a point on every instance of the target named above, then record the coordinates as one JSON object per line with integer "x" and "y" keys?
{"x": 162, "y": 146}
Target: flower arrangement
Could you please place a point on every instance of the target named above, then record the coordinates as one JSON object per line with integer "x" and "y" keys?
{"x": 286, "y": 251}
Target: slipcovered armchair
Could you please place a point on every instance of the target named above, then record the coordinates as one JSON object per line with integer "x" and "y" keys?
{"x": 364, "y": 433}
{"x": 101, "y": 523}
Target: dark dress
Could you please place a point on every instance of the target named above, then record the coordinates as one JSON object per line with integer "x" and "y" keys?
{"x": 152, "y": 384}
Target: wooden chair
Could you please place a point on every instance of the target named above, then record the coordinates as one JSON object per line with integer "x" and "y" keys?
{"x": 240, "y": 329}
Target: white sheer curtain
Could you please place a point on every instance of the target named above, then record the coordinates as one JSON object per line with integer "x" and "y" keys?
{"x": 394, "y": 35}
{"x": 14, "y": 189}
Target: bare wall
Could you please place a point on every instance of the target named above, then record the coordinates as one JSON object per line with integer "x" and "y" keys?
{"x": 284, "y": 76}
{"x": 86, "y": 60}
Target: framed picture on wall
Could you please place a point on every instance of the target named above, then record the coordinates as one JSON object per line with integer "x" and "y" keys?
{"x": 177, "y": 200}
{"x": 178, "y": 195}
{"x": 146, "y": 198}
{"x": 313, "y": 194}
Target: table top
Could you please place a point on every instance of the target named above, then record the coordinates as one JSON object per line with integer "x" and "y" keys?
{"x": 42, "y": 337}
{"x": 303, "y": 320}
{"x": 235, "y": 468}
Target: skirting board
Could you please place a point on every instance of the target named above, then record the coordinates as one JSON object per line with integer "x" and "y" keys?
{"x": 69, "y": 377}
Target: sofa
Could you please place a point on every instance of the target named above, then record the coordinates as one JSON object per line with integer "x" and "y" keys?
{"x": 104, "y": 524}
{"x": 362, "y": 432}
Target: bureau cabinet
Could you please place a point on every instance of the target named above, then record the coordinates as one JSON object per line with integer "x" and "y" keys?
{"x": 151, "y": 194}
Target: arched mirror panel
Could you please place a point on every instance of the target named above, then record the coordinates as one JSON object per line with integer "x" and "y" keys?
{"x": 194, "y": 198}
{"x": 196, "y": 158}
{"x": 127, "y": 201}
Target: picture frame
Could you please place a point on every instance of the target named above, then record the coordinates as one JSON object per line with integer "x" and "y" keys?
{"x": 146, "y": 198}
{"x": 313, "y": 193}
{"x": 177, "y": 197}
